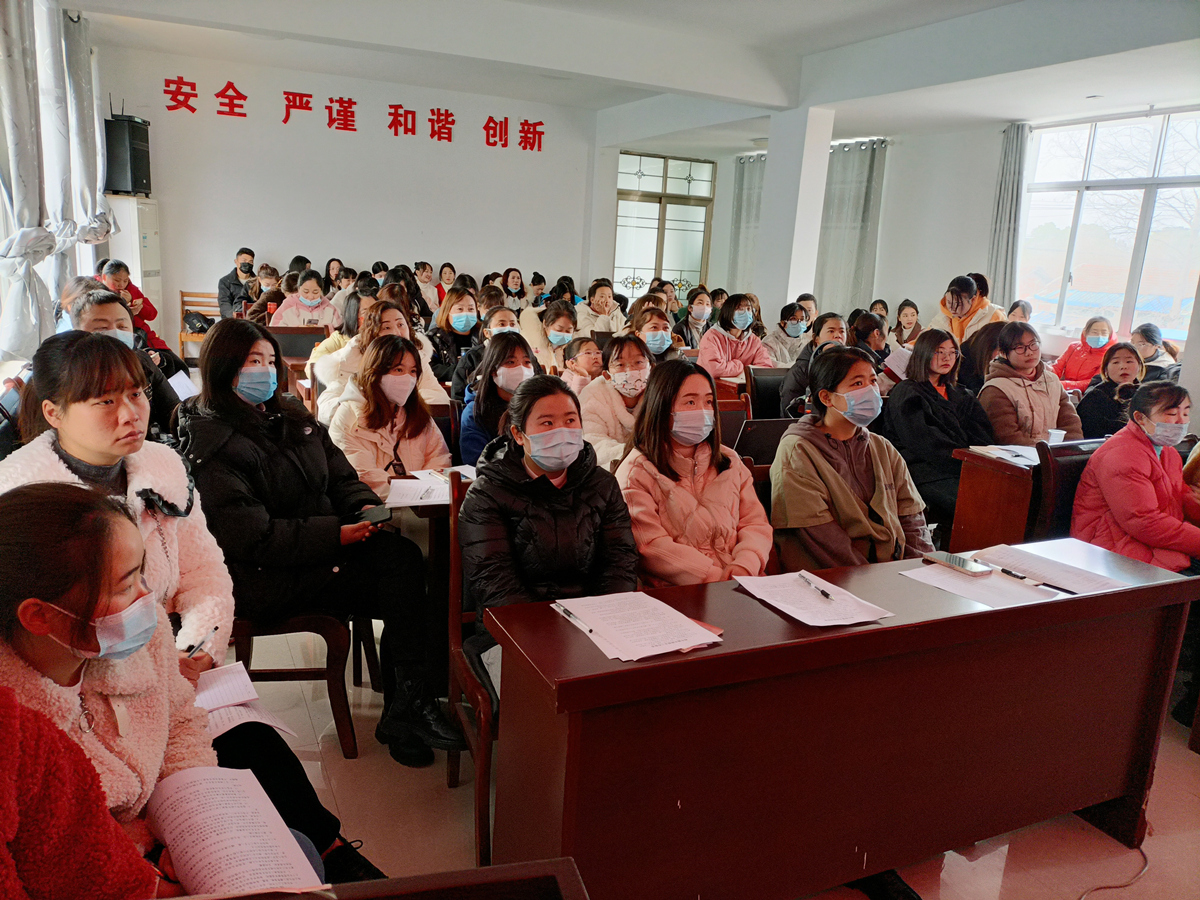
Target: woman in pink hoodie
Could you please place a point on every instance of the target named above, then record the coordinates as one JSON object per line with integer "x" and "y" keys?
{"x": 729, "y": 346}
{"x": 309, "y": 306}
{"x": 696, "y": 517}
{"x": 1080, "y": 362}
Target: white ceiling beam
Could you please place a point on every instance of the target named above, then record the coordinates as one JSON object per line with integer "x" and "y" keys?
{"x": 619, "y": 126}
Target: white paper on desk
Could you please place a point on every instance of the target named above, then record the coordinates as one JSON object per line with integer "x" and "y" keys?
{"x": 637, "y": 625}
{"x": 411, "y": 492}
{"x": 224, "y": 686}
{"x": 604, "y": 645}
{"x": 184, "y": 388}
{"x": 996, "y": 590}
{"x": 221, "y": 720}
{"x": 791, "y": 595}
{"x": 1013, "y": 453}
{"x": 1048, "y": 571}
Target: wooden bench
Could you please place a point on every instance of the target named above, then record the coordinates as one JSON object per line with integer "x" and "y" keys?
{"x": 191, "y": 301}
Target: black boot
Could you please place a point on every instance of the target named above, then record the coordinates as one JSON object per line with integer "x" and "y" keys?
{"x": 414, "y": 712}
{"x": 345, "y": 864}
{"x": 884, "y": 886}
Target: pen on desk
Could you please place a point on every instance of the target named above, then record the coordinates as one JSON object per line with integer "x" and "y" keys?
{"x": 574, "y": 618}
{"x": 824, "y": 593}
{"x": 1054, "y": 587}
{"x": 204, "y": 640}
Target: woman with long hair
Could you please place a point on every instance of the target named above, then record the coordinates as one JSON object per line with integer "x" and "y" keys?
{"x": 507, "y": 362}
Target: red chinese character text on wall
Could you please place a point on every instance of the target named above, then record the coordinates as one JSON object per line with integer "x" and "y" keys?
{"x": 441, "y": 125}
{"x": 341, "y": 118}
{"x": 495, "y": 134}
{"x": 232, "y": 101}
{"x": 180, "y": 92}
{"x": 293, "y": 100}
{"x": 531, "y": 135}
{"x": 401, "y": 119}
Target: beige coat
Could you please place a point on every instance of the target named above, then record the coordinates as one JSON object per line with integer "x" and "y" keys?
{"x": 589, "y": 321}
{"x": 370, "y": 451}
{"x": 336, "y": 370}
{"x": 1024, "y": 411}
{"x": 532, "y": 331}
{"x": 607, "y": 421}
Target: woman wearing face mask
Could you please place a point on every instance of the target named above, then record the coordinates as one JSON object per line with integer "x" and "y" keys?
{"x": 729, "y": 346}
{"x": 497, "y": 320}
{"x": 1081, "y": 361}
{"x": 610, "y": 403}
{"x": 1104, "y": 409}
{"x": 507, "y": 361}
{"x": 827, "y": 327}
{"x": 907, "y": 329}
{"x": 542, "y": 520}
{"x": 964, "y": 310}
{"x": 585, "y": 363}
{"x": 653, "y": 326}
{"x": 285, "y": 507}
{"x": 787, "y": 339}
{"x": 600, "y": 312}
{"x": 1158, "y": 355}
{"x": 692, "y": 326}
{"x": 454, "y": 331}
{"x": 840, "y": 494}
{"x": 548, "y": 330}
{"x": 308, "y": 306}
{"x": 1022, "y": 396}
{"x": 389, "y": 432}
{"x": 696, "y": 517}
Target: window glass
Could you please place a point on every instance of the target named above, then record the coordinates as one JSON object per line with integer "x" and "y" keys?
{"x": 1103, "y": 250}
{"x": 1124, "y": 149}
{"x": 1168, "y": 285}
{"x": 1181, "y": 151}
{"x": 1059, "y": 153}
{"x": 1044, "y": 240}
{"x": 683, "y": 245}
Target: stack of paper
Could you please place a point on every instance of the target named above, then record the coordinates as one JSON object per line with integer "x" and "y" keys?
{"x": 230, "y": 698}
{"x": 995, "y": 589}
{"x": 1013, "y": 453}
{"x": 634, "y": 625}
{"x": 1040, "y": 570}
{"x": 802, "y": 600}
{"x": 418, "y": 492}
{"x": 897, "y": 361}
{"x": 183, "y": 385}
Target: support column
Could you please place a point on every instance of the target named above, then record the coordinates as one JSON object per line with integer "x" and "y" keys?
{"x": 600, "y": 222}
{"x": 1189, "y": 371}
{"x": 792, "y": 201}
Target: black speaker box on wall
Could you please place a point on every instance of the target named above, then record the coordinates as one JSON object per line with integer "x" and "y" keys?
{"x": 127, "y": 139}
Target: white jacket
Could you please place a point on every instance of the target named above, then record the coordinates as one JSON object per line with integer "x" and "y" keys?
{"x": 335, "y": 370}
{"x": 184, "y": 565}
{"x": 589, "y": 321}
{"x": 607, "y": 421}
{"x": 370, "y": 451}
{"x": 783, "y": 347}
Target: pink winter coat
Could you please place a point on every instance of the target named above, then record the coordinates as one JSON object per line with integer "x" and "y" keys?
{"x": 1079, "y": 363}
{"x": 1135, "y": 503}
{"x": 693, "y": 531}
{"x": 725, "y": 356}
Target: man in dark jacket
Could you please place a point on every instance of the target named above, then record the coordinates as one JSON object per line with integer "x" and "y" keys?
{"x": 233, "y": 288}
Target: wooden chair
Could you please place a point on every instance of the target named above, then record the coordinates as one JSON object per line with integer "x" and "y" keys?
{"x": 193, "y": 301}
{"x": 298, "y": 340}
{"x": 689, "y": 353}
{"x": 759, "y": 439}
{"x": 479, "y": 730}
{"x": 602, "y": 338}
{"x": 362, "y": 646}
{"x": 336, "y": 635}
{"x": 1057, "y": 478}
{"x": 762, "y": 487}
{"x": 764, "y": 386}
{"x": 733, "y": 414}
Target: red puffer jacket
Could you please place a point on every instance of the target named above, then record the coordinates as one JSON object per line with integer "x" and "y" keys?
{"x": 1079, "y": 364}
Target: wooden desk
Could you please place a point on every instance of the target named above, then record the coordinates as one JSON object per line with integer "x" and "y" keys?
{"x": 296, "y": 366}
{"x": 791, "y": 759}
{"x": 994, "y": 502}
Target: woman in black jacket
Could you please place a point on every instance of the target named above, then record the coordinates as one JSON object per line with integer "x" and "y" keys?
{"x": 1104, "y": 409}
{"x": 793, "y": 396}
{"x": 930, "y": 416}
{"x": 542, "y": 521}
{"x": 454, "y": 331}
{"x": 284, "y": 505}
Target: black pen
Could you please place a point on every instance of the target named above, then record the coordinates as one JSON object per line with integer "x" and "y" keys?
{"x": 824, "y": 593}
{"x": 574, "y": 618}
{"x": 1054, "y": 587}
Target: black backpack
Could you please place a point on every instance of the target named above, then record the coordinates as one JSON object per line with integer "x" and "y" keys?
{"x": 197, "y": 323}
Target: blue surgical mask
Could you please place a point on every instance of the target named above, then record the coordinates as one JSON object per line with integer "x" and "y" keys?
{"x": 863, "y": 406}
{"x": 257, "y": 385}
{"x": 794, "y": 329}
{"x": 502, "y": 329}
{"x": 463, "y": 322}
{"x": 121, "y": 634}
{"x": 658, "y": 341}
{"x": 742, "y": 319}
{"x": 555, "y": 449}
{"x": 125, "y": 337}
{"x": 311, "y": 304}
{"x": 691, "y": 426}
{"x": 559, "y": 338}
{"x": 1096, "y": 341}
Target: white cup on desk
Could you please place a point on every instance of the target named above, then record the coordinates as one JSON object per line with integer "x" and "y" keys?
{"x": 1057, "y": 435}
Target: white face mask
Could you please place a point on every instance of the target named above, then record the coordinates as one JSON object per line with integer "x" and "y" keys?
{"x": 701, "y": 313}
{"x": 397, "y": 388}
{"x": 509, "y": 379}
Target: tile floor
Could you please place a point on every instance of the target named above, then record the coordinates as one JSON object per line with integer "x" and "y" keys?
{"x": 411, "y": 823}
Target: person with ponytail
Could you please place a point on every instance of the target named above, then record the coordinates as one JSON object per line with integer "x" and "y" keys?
{"x": 1158, "y": 355}
{"x": 507, "y": 362}
{"x": 964, "y": 309}
{"x": 696, "y": 517}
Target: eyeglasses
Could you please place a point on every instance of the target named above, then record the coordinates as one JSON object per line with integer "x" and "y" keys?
{"x": 1031, "y": 347}
{"x": 946, "y": 354}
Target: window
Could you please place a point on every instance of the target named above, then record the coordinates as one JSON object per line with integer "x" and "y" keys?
{"x": 664, "y": 215}
{"x": 1110, "y": 225}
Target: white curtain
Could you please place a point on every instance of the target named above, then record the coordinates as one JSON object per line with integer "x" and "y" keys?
{"x": 27, "y": 313}
{"x": 1006, "y": 216}
{"x": 850, "y": 225}
{"x": 56, "y": 143}
{"x": 747, "y": 210}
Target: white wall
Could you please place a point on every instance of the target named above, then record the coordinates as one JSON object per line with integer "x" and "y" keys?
{"x": 720, "y": 242}
{"x": 224, "y": 182}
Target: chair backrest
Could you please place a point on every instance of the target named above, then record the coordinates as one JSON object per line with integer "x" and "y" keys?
{"x": 456, "y": 411}
{"x": 689, "y": 353}
{"x": 759, "y": 439}
{"x": 298, "y": 340}
{"x": 1059, "y": 470}
{"x": 765, "y": 385}
{"x": 1187, "y": 445}
{"x": 458, "y": 490}
{"x": 762, "y": 482}
{"x": 734, "y": 414}
{"x": 195, "y": 301}
{"x": 602, "y": 338}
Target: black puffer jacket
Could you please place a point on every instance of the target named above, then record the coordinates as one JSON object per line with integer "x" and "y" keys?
{"x": 523, "y": 539}
{"x": 926, "y": 428}
{"x": 448, "y": 346}
{"x": 794, "y": 393}
{"x": 1103, "y": 410}
{"x": 272, "y": 502}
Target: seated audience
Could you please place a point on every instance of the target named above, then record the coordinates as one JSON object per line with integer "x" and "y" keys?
{"x": 1158, "y": 355}
{"x": 233, "y": 288}
{"x": 692, "y": 326}
{"x": 1022, "y": 396}
{"x": 267, "y": 279}
{"x": 585, "y": 362}
{"x": 978, "y": 351}
{"x": 1104, "y": 409}
{"x": 651, "y": 299}
{"x": 908, "y": 328}
{"x": 346, "y": 280}
{"x": 964, "y": 310}
{"x": 490, "y": 297}
{"x": 308, "y": 306}
{"x": 1080, "y": 362}
{"x": 929, "y": 417}
{"x": 412, "y": 295}
{"x": 292, "y": 534}
{"x": 610, "y": 403}
{"x": 383, "y": 425}
{"x": 268, "y": 302}
{"x": 729, "y": 346}
{"x": 786, "y": 340}
{"x": 880, "y": 308}
{"x": 379, "y": 270}
{"x": 537, "y": 289}
{"x": 72, "y": 291}
{"x": 333, "y": 274}
{"x": 600, "y": 311}
{"x": 840, "y": 494}
{"x": 1020, "y": 311}
{"x": 809, "y": 303}
{"x": 696, "y": 518}
{"x": 115, "y": 278}
{"x": 825, "y": 328}
{"x": 455, "y": 329}
{"x": 549, "y": 329}
{"x": 335, "y": 370}
{"x": 496, "y": 320}
{"x": 719, "y": 296}
{"x": 446, "y": 276}
{"x": 354, "y": 309}
{"x": 654, "y": 326}
{"x": 424, "y": 274}
{"x": 870, "y": 333}
{"x": 507, "y": 361}
{"x": 299, "y": 264}
{"x": 513, "y": 284}
{"x": 757, "y": 327}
